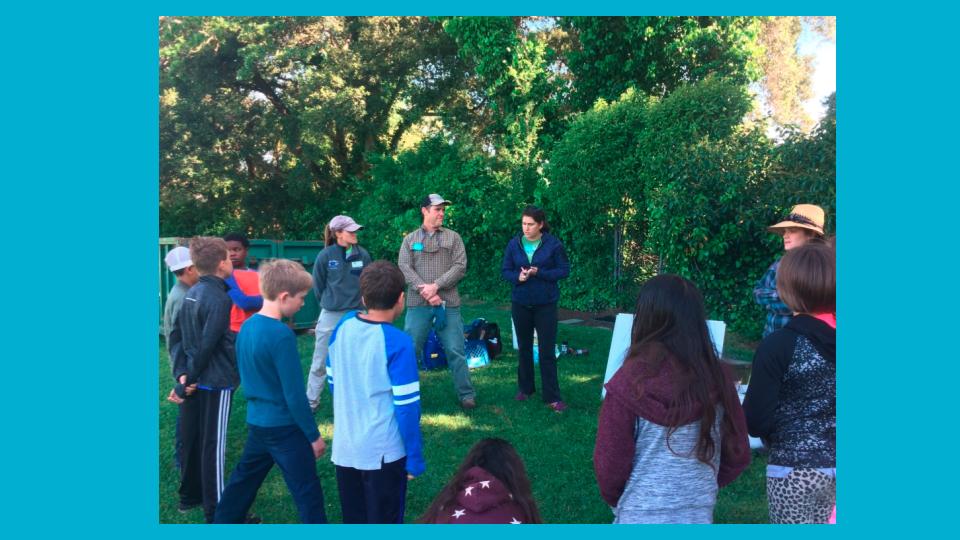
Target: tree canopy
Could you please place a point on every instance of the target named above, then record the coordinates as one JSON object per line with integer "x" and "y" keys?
{"x": 630, "y": 131}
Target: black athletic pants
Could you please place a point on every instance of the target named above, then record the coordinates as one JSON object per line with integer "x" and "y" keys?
{"x": 543, "y": 318}
{"x": 203, "y": 424}
{"x": 373, "y": 496}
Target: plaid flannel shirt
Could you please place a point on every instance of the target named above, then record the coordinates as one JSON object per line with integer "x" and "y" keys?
{"x": 441, "y": 259}
{"x": 778, "y": 314}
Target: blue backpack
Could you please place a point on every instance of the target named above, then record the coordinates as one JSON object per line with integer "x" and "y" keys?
{"x": 433, "y": 355}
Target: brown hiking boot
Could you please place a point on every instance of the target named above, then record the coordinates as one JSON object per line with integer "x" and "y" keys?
{"x": 468, "y": 403}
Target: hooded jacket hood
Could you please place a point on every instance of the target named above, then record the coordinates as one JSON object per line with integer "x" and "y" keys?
{"x": 823, "y": 337}
{"x": 482, "y": 492}
{"x": 482, "y": 498}
{"x": 648, "y": 389}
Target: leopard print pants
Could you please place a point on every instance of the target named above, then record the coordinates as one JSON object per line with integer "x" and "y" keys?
{"x": 803, "y": 496}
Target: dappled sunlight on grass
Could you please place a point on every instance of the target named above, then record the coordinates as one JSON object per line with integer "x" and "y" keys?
{"x": 580, "y": 379}
{"x": 450, "y": 422}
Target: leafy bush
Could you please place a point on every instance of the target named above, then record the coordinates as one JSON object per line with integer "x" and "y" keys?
{"x": 643, "y": 185}
{"x": 806, "y": 167}
{"x": 592, "y": 174}
{"x": 483, "y": 213}
{"x": 707, "y": 223}
{"x": 604, "y": 171}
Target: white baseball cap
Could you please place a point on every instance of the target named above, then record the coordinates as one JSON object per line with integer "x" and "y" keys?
{"x": 178, "y": 258}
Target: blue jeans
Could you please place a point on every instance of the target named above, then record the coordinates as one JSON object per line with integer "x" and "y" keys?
{"x": 417, "y": 324}
{"x": 289, "y": 448}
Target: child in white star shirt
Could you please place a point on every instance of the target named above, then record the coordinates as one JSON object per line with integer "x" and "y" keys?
{"x": 491, "y": 486}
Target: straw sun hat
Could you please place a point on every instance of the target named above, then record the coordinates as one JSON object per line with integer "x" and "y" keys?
{"x": 804, "y": 216}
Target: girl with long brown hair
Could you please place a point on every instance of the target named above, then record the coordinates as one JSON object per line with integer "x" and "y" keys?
{"x": 671, "y": 428}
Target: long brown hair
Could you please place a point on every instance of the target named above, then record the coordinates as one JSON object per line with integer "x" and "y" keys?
{"x": 329, "y": 237}
{"x": 498, "y": 458}
{"x": 670, "y": 313}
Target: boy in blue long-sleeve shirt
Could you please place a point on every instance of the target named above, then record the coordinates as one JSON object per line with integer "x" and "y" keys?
{"x": 373, "y": 378}
{"x": 280, "y": 427}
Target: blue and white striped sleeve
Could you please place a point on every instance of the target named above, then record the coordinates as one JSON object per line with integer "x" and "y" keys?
{"x": 405, "y": 383}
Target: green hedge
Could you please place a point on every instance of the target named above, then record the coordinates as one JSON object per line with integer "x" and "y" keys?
{"x": 483, "y": 212}
{"x": 642, "y": 186}
{"x": 634, "y": 187}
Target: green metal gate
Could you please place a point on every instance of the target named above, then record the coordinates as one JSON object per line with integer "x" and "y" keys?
{"x": 303, "y": 251}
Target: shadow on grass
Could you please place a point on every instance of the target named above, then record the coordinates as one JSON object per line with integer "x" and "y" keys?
{"x": 556, "y": 448}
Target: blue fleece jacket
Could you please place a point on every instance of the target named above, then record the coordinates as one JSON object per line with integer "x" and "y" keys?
{"x": 552, "y": 266}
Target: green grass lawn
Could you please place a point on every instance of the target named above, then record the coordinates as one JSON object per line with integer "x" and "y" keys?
{"x": 557, "y": 448}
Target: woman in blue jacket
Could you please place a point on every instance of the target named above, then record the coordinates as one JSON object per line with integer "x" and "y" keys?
{"x": 533, "y": 262}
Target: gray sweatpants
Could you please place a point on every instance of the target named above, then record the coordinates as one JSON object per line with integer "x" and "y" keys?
{"x": 318, "y": 367}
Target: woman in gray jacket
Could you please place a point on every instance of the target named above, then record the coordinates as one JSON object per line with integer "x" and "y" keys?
{"x": 336, "y": 282}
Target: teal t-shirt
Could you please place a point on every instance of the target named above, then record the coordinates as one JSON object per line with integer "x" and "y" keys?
{"x": 529, "y": 247}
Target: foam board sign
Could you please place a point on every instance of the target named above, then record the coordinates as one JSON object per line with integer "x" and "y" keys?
{"x": 513, "y": 330}
{"x": 620, "y": 342}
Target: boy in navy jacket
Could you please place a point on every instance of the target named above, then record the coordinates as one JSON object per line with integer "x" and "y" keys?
{"x": 205, "y": 371}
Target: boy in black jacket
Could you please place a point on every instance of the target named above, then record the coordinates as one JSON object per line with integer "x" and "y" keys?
{"x": 205, "y": 371}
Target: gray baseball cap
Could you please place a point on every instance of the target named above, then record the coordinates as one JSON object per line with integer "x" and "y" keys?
{"x": 433, "y": 200}
{"x": 344, "y": 223}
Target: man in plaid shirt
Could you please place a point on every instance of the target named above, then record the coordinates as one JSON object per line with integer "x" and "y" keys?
{"x": 433, "y": 260}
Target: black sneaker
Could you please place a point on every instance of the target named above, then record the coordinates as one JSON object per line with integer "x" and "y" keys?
{"x": 183, "y": 507}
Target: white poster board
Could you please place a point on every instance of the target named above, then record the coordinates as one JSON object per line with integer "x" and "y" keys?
{"x": 620, "y": 342}
{"x": 513, "y": 330}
